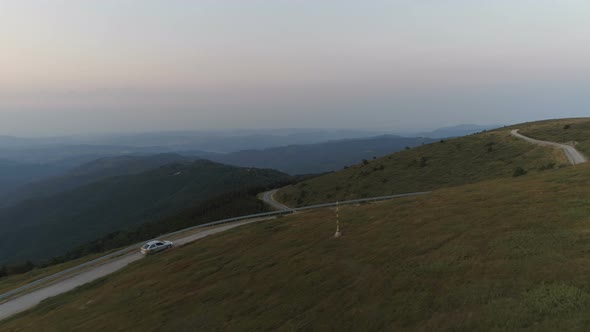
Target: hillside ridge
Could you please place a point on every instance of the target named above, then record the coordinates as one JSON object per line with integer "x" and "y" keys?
{"x": 446, "y": 163}
{"x": 502, "y": 254}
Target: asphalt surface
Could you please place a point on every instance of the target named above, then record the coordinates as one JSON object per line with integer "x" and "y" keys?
{"x": 268, "y": 198}
{"x": 66, "y": 283}
{"x": 574, "y": 156}
{"x": 29, "y": 300}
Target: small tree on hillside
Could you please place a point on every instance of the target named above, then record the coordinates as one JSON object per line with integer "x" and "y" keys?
{"x": 519, "y": 171}
{"x": 423, "y": 161}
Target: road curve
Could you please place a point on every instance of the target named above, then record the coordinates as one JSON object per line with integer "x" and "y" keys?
{"x": 29, "y": 300}
{"x": 268, "y": 198}
{"x": 574, "y": 156}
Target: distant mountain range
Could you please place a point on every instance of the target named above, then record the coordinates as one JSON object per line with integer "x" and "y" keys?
{"x": 457, "y": 131}
{"x": 321, "y": 157}
{"x": 24, "y": 181}
{"x": 231, "y": 141}
{"x": 77, "y": 193}
{"x": 220, "y": 141}
{"x": 73, "y": 155}
{"x": 87, "y": 173}
{"x": 14, "y": 174}
{"x": 45, "y": 227}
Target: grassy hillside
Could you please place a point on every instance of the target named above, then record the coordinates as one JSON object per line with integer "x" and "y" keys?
{"x": 468, "y": 159}
{"x": 230, "y": 205}
{"x": 42, "y": 228}
{"x": 504, "y": 254}
{"x": 90, "y": 172}
{"x": 11, "y": 282}
{"x": 321, "y": 157}
{"x": 562, "y": 131}
{"x": 459, "y": 130}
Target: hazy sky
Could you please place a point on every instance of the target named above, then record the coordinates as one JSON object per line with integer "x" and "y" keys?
{"x": 118, "y": 65}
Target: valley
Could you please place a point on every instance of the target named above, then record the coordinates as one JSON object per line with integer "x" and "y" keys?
{"x": 451, "y": 260}
{"x": 234, "y": 165}
{"x": 91, "y": 211}
{"x": 487, "y": 242}
{"x": 469, "y": 159}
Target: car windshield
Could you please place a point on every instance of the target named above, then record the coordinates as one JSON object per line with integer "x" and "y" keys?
{"x": 146, "y": 246}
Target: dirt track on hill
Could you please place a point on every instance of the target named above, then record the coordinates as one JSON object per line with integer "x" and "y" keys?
{"x": 574, "y": 156}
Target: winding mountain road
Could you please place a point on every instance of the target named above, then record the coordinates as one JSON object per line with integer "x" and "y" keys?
{"x": 31, "y": 299}
{"x": 19, "y": 303}
{"x": 32, "y": 294}
{"x": 269, "y": 198}
{"x": 574, "y": 156}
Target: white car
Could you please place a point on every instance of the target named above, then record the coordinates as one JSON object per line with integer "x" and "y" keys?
{"x": 153, "y": 247}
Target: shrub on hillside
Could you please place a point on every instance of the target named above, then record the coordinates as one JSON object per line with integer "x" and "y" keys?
{"x": 18, "y": 268}
{"x": 547, "y": 166}
{"x": 490, "y": 146}
{"x": 423, "y": 161}
{"x": 519, "y": 171}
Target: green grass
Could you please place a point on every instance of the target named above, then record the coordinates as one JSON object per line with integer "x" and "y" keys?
{"x": 503, "y": 254}
{"x": 449, "y": 163}
{"x": 562, "y": 131}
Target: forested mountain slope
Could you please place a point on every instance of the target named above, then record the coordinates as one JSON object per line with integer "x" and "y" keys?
{"x": 42, "y": 228}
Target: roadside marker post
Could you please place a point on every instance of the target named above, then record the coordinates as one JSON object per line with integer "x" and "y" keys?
{"x": 338, "y": 233}
{"x": 6, "y": 296}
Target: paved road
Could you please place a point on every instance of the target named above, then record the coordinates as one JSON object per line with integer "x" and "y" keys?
{"x": 574, "y": 156}
{"x": 33, "y": 298}
{"x": 268, "y": 198}
{"x": 65, "y": 284}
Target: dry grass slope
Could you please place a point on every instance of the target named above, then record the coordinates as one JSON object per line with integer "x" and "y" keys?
{"x": 561, "y": 131}
{"x": 469, "y": 159}
{"x": 503, "y": 254}
{"x": 15, "y": 281}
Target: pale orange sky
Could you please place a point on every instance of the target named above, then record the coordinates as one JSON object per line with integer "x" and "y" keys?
{"x": 116, "y": 65}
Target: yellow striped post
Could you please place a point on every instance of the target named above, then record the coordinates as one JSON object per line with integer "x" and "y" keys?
{"x": 338, "y": 233}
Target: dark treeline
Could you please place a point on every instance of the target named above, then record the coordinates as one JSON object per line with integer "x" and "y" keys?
{"x": 50, "y": 226}
{"x": 234, "y": 204}
{"x": 12, "y": 269}
{"x": 226, "y": 206}
{"x": 229, "y": 205}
